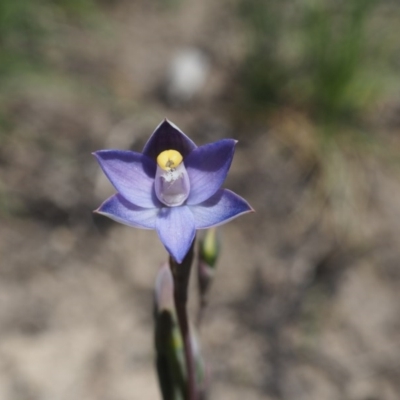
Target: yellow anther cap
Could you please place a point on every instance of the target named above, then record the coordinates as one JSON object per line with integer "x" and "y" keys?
{"x": 169, "y": 159}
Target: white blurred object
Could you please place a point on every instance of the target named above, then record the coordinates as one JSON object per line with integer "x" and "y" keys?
{"x": 187, "y": 75}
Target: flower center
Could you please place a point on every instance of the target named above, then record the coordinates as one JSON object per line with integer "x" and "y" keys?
{"x": 169, "y": 159}
{"x": 172, "y": 184}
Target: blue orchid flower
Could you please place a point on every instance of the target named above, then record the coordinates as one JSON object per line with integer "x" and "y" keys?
{"x": 173, "y": 187}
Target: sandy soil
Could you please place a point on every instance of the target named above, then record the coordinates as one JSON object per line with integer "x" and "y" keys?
{"x": 306, "y": 302}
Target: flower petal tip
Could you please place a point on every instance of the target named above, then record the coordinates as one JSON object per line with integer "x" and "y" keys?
{"x": 176, "y": 230}
{"x": 94, "y": 154}
{"x": 179, "y": 255}
{"x": 97, "y": 211}
{"x": 97, "y": 153}
{"x": 219, "y": 209}
{"x": 178, "y": 259}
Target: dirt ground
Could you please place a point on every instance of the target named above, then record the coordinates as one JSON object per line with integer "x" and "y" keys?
{"x": 306, "y": 301}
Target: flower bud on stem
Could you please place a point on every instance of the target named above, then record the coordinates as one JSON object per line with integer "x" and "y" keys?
{"x": 181, "y": 274}
{"x": 209, "y": 249}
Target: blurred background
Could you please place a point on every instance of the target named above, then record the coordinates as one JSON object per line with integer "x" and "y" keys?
{"x": 306, "y": 301}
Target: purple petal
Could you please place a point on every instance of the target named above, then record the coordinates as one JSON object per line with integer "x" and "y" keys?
{"x": 168, "y": 136}
{"x": 175, "y": 227}
{"x": 132, "y": 174}
{"x": 220, "y": 208}
{"x": 121, "y": 210}
{"x": 207, "y": 167}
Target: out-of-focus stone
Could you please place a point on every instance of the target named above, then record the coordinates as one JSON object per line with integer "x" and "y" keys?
{"x": 186, "y": 76}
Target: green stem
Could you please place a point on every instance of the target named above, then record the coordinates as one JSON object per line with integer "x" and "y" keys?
{"x": 181, "y": 274}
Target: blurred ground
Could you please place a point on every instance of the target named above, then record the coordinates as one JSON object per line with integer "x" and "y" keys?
{"x": 306, "y": 303}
